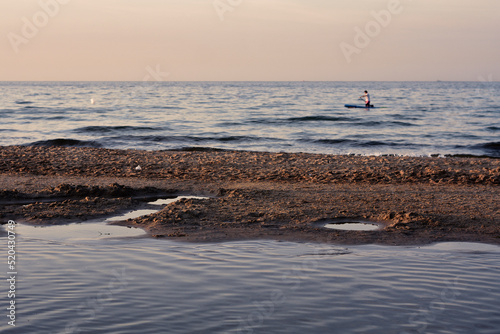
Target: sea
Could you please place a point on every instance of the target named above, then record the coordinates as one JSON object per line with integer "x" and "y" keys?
{"x": 411, "y": 118}
{"x": 90, "y": 277}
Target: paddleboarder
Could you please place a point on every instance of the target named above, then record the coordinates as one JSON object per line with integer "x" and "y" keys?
{"x": 366, "y": 97}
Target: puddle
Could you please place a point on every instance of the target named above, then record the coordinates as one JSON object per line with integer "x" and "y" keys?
{"x": 78, "y": 231}
{"x": 167, "y": 201}
{"x": 353, "y": 226}
{"x": 95, "y": 229}
{"x": 346, "y": 224}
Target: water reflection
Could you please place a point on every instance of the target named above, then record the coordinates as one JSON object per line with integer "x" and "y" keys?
{"x": 95, "y": 229}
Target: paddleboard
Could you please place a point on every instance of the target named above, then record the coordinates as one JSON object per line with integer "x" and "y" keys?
{"x": 361, "y": 106}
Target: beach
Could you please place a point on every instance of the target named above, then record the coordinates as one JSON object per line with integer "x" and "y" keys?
{"x": 248, "y": 195}
{"x": 245, "y": 167}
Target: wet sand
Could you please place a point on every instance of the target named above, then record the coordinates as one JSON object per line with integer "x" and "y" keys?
{"x": 255, "y": 195}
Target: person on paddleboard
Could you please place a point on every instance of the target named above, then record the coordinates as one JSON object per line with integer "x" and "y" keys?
{"x": 366, "y": 97}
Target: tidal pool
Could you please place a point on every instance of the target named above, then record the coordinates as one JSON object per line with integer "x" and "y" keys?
{"x": 349, "y": 224}
{"x": 353, "y": 226}
{"x": 95, "y": 229}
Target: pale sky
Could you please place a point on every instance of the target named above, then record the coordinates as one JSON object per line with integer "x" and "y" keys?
{"x": 225, "y": 40}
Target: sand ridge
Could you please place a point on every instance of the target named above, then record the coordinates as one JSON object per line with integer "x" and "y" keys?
{"x": 258, "y": 194}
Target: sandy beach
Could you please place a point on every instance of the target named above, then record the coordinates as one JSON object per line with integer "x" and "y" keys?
{"x": 257, "y": 195}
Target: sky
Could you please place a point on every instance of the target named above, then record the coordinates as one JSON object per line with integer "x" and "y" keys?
{"x": 249, "y": 40}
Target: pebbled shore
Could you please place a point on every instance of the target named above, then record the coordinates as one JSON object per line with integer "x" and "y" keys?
{"x": 251, "y": 195}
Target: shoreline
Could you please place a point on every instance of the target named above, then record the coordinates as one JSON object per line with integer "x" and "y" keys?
{"x": 258, "y": 195}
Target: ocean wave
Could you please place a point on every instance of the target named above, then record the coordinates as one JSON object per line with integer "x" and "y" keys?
{"x": 383, "y": 123}
{"x": 399, "y": 123}
{"x": 489, "y": 150}
{"x": 63, "y": 142}
{"x": 195, "y": 139}
{"x": 332, "y": 141}
{"x": 24, "y": 102}
{"x": 372, "y": 143}
{"x": 7, "y": 111}
{"x": 237, "y": 139}
{"x": 323, "y": 119}
{"x": 304, "y": 119}
{"x": 111, "y": 129}
{"x": 228, "y": 124}
{"x": 168, "y": 107}
{"x": 39, "y": 94}
{"x": 353, "y": 121}
{"x": 360, "y": 143}
{"x": 491, "y": 147}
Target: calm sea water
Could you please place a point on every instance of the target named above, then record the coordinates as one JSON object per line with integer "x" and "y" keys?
{"x": 419, "y": 118}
